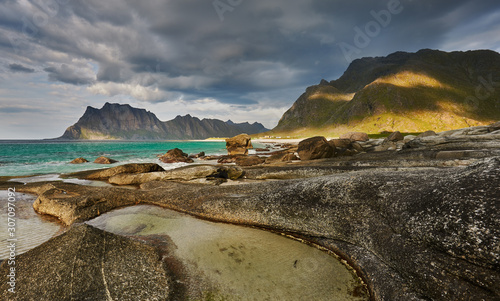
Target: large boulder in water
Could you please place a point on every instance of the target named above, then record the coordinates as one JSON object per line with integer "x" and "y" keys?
{"x": 86, "y": 263}
{"x": 239, "y": 145}
{"x": 104, "y": 160}
{"x": 176, "y": 156}
{"x": 79, "y": 161}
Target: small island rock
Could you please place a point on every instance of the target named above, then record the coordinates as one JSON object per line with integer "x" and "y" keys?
{"x": 79, "y": 161}
{"x": 176, "y": 156}
{"x": 104, "y": 160}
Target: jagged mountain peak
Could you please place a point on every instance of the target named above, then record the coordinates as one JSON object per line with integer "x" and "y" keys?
{"x": 122, "y": 121}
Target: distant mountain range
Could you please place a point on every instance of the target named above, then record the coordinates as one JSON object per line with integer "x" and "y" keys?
{"x": 121, "y": 121}
{"x": 411, "y": 92}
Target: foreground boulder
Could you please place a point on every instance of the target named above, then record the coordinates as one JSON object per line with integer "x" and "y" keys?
{"x": 104, "y": 160}
{"x": 315, "y": 148}
{"x": 176, "y": 156}
{"x": 86, "y": 263}
{"x": 345, "y": 147}
{"x": 238, "y": 145}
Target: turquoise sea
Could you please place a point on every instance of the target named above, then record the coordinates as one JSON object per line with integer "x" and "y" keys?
{"x": 37, "y": 157}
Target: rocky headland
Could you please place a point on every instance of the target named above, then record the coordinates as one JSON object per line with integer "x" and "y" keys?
{"x": 416, "y": 216}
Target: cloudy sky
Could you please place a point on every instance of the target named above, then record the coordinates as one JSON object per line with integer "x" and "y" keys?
{"x": 245, "y": 60}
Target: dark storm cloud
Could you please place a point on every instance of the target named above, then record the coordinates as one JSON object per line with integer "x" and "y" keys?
{"x": 67, "y": 74}
{"x": 20, "y": 68}
{"x": 194, "y": 48}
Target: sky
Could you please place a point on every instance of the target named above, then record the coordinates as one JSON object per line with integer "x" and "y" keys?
{"x": 227, "y": 59}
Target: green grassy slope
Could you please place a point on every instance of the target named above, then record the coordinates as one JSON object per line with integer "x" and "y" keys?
{"x": 409, "y": 92}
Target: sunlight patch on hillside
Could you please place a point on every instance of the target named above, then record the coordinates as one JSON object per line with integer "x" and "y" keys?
{"x": 333, "y": 96}
{"x": 408, "y": 79}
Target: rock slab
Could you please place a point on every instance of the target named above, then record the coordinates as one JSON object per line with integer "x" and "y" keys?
{"x": 86, "y": 263}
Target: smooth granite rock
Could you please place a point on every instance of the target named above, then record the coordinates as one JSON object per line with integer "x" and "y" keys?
{"x": 433, "y": 231}
{"x": 86, "y": 263}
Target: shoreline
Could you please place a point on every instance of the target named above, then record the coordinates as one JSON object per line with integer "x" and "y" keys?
{"x": 416, "y": 186}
